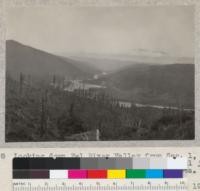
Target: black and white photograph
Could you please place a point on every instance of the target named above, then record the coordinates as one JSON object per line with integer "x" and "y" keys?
{"x": 97, "y": 73}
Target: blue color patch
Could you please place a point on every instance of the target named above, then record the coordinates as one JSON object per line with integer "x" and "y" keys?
{"x": 154, "y": 173}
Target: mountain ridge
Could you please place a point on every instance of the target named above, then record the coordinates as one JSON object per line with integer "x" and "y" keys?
{"x": 25, "y": 59}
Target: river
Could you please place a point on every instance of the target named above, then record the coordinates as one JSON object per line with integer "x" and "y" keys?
{"x": 129, "y": 104}
{"x": 78, "y": 84}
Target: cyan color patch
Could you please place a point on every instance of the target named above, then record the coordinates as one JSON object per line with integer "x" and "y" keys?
{"x": 154, "y": 173}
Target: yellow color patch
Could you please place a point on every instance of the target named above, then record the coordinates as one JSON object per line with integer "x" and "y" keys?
{"x": 113, "y": 174}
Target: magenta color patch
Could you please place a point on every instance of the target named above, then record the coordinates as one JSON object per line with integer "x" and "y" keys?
{"x": 76, "y": 174}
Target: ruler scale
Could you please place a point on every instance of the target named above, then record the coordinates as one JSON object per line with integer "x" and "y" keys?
{"x": 91, "y": 185}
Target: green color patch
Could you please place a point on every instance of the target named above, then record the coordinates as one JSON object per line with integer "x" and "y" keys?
{"x": 130, "y": 173}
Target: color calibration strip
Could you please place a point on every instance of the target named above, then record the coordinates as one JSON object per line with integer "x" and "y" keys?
{"x": 97, "y": 168}
{"x": 96, "y": 174}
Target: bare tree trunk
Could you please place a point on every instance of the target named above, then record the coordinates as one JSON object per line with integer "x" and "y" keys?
{"x": 180, "y": 113}
{"x": 21, "y": 81}
{"x": 44, "y": 114}
{"x": 42, "y": 119}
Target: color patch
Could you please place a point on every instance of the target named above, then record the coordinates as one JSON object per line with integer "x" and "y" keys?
{"x": 89, "y": 163}
{"x": 154, "y": 173}
{"x": 77, "y": 174}
{"x": 177, "y": 163}
{"x": 173, "y": 174}
{"x": 98, "y": 174}
{"x": 106, "y": 163}
{"x": 21, "y": 174}
{"x": 141, "y": 163}
{"x": 39, "y": 174}
{"x": 123, "y": 163}
{"x": 58, "y": 174}
{"x": 158, "y": 163}
{"x": 116, "y": 174}
{"x": 131, "y": 173}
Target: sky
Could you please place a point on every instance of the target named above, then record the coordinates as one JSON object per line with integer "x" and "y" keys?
{"x": 154, "y": 30}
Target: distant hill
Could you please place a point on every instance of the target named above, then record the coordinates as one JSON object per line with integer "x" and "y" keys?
{"x": 104, "y": 64}
{"x": 37, "y": 63}
{"x": 113, "y": 62}
{"x": 156, "y": 84}
{"x": 84, "y": 65}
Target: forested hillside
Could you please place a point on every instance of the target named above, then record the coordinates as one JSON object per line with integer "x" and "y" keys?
{"x": 45, "y": 113}
{"x": 155, "y": 84}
